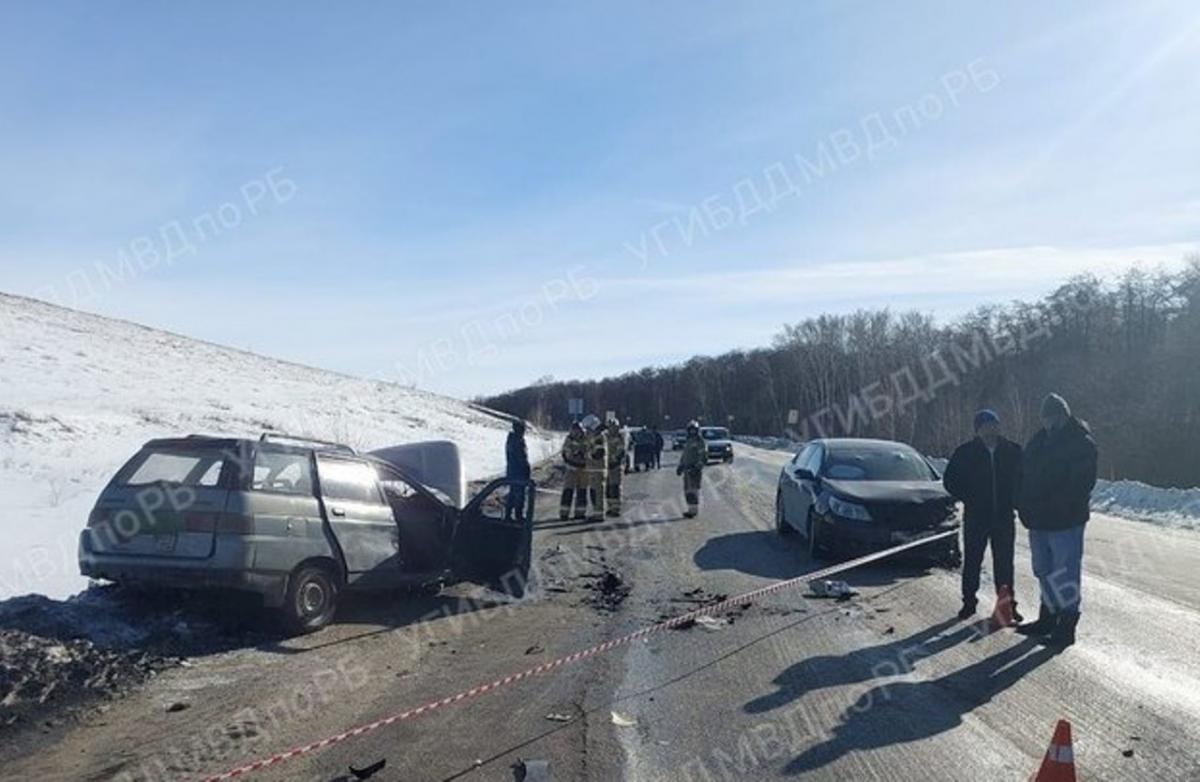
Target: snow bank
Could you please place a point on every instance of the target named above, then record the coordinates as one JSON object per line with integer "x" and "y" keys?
{"x": 1178, "y": 508}
{"x": 80, "y": 393}
{"x": 768, "y": 443}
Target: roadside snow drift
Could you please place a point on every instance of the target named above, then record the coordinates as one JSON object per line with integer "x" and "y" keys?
{"x": 80, "y": 393}
{"x": 1179, "y": 508}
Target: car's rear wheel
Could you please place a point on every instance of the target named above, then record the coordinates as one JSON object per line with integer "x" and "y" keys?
{"x": 311, "y": 599}
{"x": 781, "y": 524}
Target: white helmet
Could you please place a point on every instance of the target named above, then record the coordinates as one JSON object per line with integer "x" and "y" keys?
{"x": 590, "y": 422}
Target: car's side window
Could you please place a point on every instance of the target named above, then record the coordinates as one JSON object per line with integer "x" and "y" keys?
{"x": 342, "y": 479}
{"x": 285, "y": 472}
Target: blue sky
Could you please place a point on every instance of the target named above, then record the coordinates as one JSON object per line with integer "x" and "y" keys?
{"x": 456, "y": 165}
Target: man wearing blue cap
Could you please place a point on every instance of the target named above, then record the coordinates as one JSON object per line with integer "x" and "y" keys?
{"x": 983, "y": 474}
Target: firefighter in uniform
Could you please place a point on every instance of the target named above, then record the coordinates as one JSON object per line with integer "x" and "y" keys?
{"x": 597, "y": 465}
{"x": 691, "y": 466}
{"x": 615, "y": 440}
{"x": 574, "y": 455}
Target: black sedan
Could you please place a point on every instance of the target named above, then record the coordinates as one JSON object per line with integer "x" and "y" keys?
{"x": 854, "y": 496}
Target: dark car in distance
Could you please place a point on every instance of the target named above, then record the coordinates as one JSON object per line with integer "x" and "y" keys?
{"x": 855, "y": 496}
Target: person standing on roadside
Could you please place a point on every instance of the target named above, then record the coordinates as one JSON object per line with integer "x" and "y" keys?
{"x": 1054, "y": 501}
{"x": 983, "y": 474}
{"x": 615, "y": 441}
{"x": 574, "y": 456}
{"x": 597, "y": 465}
{"x": 691, "y": 466}
{"x": 659, "y": 444}
{"x": 517, "y": 467}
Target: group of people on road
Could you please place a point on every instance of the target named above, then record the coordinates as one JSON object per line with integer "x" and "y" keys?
{"x": 594, "y": 456}
{"x": 1048, "y": 484}
{"x": 646, "y": 447}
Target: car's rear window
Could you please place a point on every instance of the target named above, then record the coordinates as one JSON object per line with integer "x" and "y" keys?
{"x": 186, "y": 468}
{"x": 849, "y": 463}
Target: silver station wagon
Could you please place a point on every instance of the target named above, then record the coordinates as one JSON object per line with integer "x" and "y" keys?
{"x": 302, "y": 521}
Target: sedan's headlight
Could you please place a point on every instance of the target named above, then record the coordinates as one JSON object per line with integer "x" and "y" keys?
{"x": 848, "y": 510}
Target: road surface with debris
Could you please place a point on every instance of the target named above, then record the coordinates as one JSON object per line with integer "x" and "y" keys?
{"x": 884, "y": 685}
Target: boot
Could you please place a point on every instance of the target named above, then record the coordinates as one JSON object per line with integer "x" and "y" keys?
{"x": 1017, "y": 614}
{"x": 1045, "y": 622}
{"x": 1063, "y": 634}
{"x": 968, "y": 609}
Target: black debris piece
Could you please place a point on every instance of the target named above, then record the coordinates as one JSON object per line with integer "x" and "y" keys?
{"x": 368, "y": 771}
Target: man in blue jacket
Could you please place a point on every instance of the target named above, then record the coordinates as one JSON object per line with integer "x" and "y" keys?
{"x": 1054, "y": 500}
{"x": 516, "y": 457}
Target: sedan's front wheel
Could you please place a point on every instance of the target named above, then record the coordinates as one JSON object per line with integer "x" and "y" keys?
{"x": 781, "y": 524}
{"x": 816, "y": 549}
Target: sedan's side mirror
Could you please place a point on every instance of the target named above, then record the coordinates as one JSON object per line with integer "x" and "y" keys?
{"x": 804, "y": 474}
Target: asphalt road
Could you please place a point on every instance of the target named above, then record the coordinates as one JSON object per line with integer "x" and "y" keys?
{"x": 888, "y": 685}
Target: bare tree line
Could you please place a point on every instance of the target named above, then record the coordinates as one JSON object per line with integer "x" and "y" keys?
{"x": 1126, "y": 353}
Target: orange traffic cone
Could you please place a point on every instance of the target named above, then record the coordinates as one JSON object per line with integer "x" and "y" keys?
{"x": 1059, "y": 763}
{"x": 1002, "y": 614}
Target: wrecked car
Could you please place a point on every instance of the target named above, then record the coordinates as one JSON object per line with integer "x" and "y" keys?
{"x": 300, "y": 522}
{"x": 855, "y": 496}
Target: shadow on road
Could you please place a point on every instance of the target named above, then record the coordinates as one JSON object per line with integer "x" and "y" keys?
{"x": 388, "y": 613}
{"x": 904, "y": 712}
{"x": 765, "y": 553}
{"x": 860, "y": 665}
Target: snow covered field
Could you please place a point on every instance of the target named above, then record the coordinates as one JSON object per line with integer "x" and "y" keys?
{"x": 80, "y": 393}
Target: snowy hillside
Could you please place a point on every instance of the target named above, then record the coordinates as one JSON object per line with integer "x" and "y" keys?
{"x": 80, "y": 393}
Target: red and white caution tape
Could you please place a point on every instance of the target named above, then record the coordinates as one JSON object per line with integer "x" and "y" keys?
{"x": 607, "y": 646}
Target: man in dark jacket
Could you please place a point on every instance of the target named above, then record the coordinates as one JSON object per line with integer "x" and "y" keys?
{"x": 659, "y": 443}
{"x": 983, "y": 474}
{"x": 1057, "y": 477}
{"x": 516, "y": 468}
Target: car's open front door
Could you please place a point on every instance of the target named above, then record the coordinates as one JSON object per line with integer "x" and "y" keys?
{"x": 490, "y": 550}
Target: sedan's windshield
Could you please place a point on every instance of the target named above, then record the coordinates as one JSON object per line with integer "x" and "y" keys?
{"x": 876, "y": 463}
{"x": 715, "y": 434}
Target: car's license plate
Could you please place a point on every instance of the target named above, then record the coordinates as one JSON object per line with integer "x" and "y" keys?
{"x": 164, "y": 543}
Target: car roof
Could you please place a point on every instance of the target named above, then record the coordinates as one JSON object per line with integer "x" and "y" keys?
{"x": 194, "y": 441}
{"x": 269, "y": 438}
{"x": 865, "y": 443}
